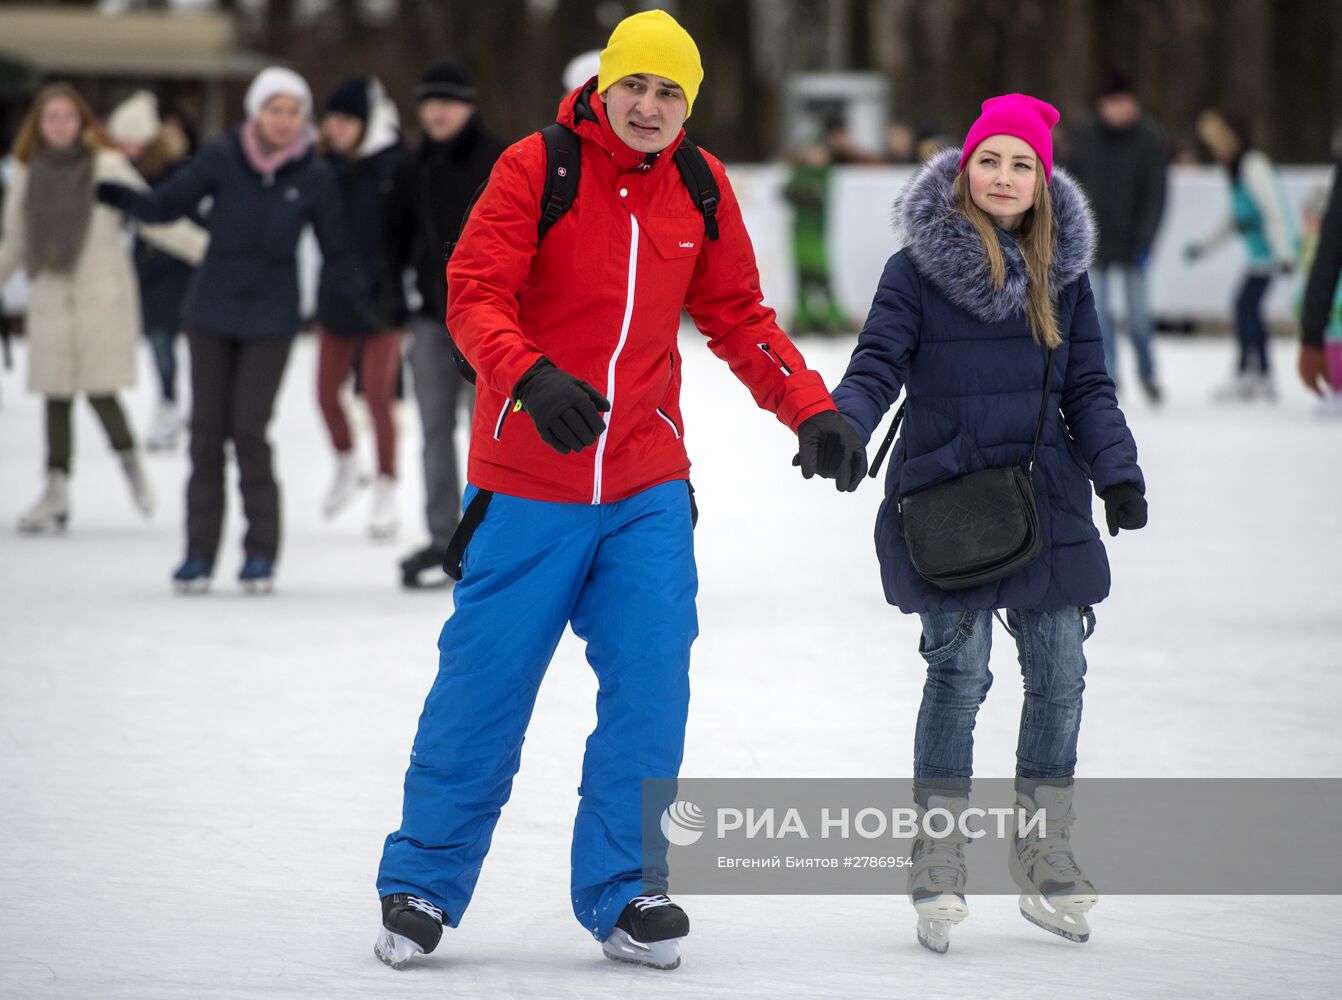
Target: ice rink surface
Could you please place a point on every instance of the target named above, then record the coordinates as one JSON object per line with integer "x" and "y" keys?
{"x": 194, "y": 791}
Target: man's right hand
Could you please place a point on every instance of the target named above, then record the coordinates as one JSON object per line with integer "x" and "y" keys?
{"x": 1313, "y": 370}
{"x": 566, "y": 410}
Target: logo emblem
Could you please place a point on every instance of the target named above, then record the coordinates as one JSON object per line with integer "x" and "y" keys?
{"x": 687, "y": 245}
{"x": 291, "y": 194}
{"x": 562, "y": 171}
{"x": 682, "y": 823}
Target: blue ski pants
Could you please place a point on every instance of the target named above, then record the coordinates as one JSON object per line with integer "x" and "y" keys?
{"x": 623, "y": 575}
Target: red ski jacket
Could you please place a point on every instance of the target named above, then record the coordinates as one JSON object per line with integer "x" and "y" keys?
{"x": 601, "y": 297}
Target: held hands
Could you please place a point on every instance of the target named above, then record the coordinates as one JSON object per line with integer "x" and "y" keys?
{"x": 1124, "y": 507}
{"x": 566, "y": 410}
{"x": 829, "y": 447}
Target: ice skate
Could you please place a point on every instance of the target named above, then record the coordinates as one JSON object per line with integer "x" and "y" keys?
{"x": 423, "y": 570}
{"x": 257, "y": 575}
{"x": 166, "y": 427}
{"x": 141, "y": 491}
{"x": 193, "y": 576}
{"x": 410, "y": 926}
{"x": 385, "y": 518}
{"x": 349, "y": 480}
{"x": 51, "y": 512}
{"x": 1247, "y": 387}
{"x": 648, "y": 933}
{"x": 937, "y": 878}
{"x": 1055, "y": 893}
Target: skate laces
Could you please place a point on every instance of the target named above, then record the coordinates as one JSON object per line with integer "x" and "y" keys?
{"x": 651, "y": 901}
{"x": 424, "y": 906}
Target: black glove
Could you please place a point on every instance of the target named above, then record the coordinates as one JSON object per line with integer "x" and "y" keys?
{"x": 566, "y": 410}
{"x": 828, "y": 446}
{"x": 1124, "y": 507}
{"x": 115, "y": 195}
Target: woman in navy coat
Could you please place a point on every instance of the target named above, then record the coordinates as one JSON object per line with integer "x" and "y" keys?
{"x": 241, "y": 311}
{"x": 992, "y": 276}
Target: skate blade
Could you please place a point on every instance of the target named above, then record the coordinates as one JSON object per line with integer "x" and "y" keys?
{"x": 191, "y": 586}
{"x": 381, "y": 534}
{"x": 1064, "y": 916}
{"x": 620, "y": 947}
{"x": 935, "y": 935}
{"x": 56, "y": 526}
{"x": 395, "y": 949}
{"x": 258, "y": 587}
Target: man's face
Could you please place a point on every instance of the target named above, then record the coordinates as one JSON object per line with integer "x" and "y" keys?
{"x": 1119, "y": 110}
{"x": 645, "y": 111}
{"x": 442, "y": 119}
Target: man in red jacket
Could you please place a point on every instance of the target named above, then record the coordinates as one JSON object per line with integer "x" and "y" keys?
{"x": 579, "y": 509}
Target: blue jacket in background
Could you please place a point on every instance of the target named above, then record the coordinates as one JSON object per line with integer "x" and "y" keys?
{"x": 247, "y": 285}
{"x": 974, "y": 377}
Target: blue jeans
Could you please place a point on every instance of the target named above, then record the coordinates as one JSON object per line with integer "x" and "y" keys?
{"x": 956, "y": 645}
{"x": 1140, "y": 328}
{"x": 622, "y": 575}
{"x": 162, "y": 342}
{"x": 1249, "y": 328}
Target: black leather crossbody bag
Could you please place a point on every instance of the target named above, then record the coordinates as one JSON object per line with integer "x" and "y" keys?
{"x": 975, "y": 528}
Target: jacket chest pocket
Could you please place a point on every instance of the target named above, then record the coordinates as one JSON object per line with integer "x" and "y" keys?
{"x": 676, "y": 239}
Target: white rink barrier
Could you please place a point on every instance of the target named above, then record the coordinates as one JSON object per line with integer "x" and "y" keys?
{"x": 861, "y": 239}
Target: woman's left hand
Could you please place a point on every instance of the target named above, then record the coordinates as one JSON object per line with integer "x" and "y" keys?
{"x": 1124, "y": 507}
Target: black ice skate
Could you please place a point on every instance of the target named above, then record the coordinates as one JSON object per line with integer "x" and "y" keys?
{"x": 648, "y": 932}
{"x": 410, "y": 926}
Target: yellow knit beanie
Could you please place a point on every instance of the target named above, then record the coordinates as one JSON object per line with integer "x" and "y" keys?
{"x": 652, "y": 42}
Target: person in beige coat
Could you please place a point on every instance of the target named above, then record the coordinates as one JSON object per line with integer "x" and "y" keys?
{"x": 83, "y": 310}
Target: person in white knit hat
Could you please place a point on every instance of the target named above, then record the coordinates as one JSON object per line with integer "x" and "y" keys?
{"x": 241, "y": 311}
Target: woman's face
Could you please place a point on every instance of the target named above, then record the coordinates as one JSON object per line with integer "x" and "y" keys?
{"x": 1003, "y": 171}
{"x": 1217, "y": 136}
{"x": 281, "y": 120}
{"x": 59, "y": 124}
{"x": 342, "y": 132}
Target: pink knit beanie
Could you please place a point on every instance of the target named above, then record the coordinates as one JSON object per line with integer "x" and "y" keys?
{"x": 1027, "y": 118}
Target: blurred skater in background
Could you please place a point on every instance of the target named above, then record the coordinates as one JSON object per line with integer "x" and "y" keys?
{"x": 83, "y": 309}
{"x": 241, "y": 309}
{"x": 1264, "y": 219}
{"x": 361, "y": 130}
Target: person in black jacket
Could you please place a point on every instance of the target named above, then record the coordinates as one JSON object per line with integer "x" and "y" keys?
{"x": 429, "y": 199}
{"x": 1120, "y": 158}
{"x": 241, "y": 310}
{"x": 361, "y": 129}
{"x": 1321, "y": 294}
{"x": 158, "y": 149}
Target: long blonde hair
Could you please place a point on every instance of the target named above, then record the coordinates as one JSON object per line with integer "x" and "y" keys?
{"x": 1036, "y": 245}
{"x": 28, "y": 141}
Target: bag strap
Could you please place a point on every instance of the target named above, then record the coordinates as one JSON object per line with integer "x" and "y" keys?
{"x": 1038, "y": 427}
{"x": 1043, "y": 410}
{"x": 702, "y": 185}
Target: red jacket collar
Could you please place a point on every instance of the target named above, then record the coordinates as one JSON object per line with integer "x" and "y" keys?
{"x": 585, "y": 113}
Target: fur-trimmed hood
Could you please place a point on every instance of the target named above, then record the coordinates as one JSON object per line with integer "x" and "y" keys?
{"x": 946, "y": 251}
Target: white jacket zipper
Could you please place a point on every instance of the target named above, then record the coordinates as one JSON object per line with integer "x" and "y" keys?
{"x": 610, "y": 373}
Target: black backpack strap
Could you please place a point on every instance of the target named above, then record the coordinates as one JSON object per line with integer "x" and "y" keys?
{"x": 563, "y": 159}
{"x": 703, "y": 186}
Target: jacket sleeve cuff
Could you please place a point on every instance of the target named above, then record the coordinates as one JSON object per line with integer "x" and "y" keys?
{"x": 804, "y": 402}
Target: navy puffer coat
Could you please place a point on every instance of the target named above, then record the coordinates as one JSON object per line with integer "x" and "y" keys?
{"x": 974, "y": 376}
{"x": 247, "y": 285}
